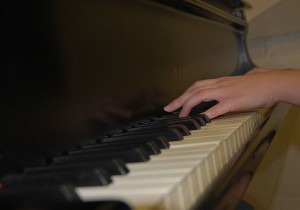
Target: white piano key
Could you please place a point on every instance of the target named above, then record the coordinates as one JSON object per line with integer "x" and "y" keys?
{"x": 206, "y": 163}
{"x": 223, "y": 147}
{"x": 177, "y": 177}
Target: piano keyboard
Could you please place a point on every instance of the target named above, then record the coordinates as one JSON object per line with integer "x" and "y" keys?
{"x": 181, "y": 175}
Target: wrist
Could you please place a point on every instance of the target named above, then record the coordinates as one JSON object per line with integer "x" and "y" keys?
{"x": 288, "y": 87}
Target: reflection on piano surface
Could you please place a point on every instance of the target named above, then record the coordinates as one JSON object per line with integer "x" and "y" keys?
{"x": 83, "y": 85}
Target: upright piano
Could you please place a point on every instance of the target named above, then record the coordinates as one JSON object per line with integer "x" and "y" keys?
{"x": 83, "y": 85}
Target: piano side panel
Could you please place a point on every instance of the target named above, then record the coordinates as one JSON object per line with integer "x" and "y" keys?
{"x": 74, "y": 69}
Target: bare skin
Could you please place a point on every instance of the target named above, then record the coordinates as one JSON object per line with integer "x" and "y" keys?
{"x": 260, "y": 88}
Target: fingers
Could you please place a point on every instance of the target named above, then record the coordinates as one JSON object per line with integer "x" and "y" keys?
{"x": 190, "y": 98}
{"x": 206, "y": 90}
{"x": 198, "y": 97}
{"x": 191, "y": 92}
{"x": 226, "y": 102}
{"x": 202, "y": 83}
{"x": 219, "y": 109}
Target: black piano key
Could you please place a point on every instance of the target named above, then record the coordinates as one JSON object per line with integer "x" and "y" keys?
{"x": 191, "y": 124}
{"x": 199, "y": 119}
{"x": 205, "y": 118}
{"x": 202, "y": 107}
{"x": 113, "y": 167}
{"x": 128, "y": 142}
{"x": 167, "y": 118}
{"x": 182, "y": 129}
{"x": 33, "y": 205}
{"x": 97, "y": 177}
{"x": 202, "y": 119}
{"x": 55, "y": 193}
{"x": 121, "y": 141}
{"x": 153, "y": 127}
{"x": 128, "y": 156}
{"x": 171, "y": 133}
{"x": 175, "y": 118}
{"x": 52, "y": 197}
{"x": 150, "y": 147}
{"x": 161, "y": 142}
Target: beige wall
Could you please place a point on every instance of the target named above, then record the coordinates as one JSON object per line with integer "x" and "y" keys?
{"x": 273, "y": 17}
{"x": 274, "y": 42}
{"x": 258, "y": 7}
{"x": 274, "y": 33}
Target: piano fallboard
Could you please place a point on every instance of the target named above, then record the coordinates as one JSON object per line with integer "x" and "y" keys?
{"x": 73, "y": 70}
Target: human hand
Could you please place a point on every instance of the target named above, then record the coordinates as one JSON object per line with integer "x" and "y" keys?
{"x": 259, "y": 89}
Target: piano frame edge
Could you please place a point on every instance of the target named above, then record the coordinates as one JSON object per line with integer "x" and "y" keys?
{"x": 227, "y": 191}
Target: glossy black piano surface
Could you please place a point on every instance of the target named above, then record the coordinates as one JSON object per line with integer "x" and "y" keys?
{"x": 74, "y": 70}
{"x": 71, "y": 70}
